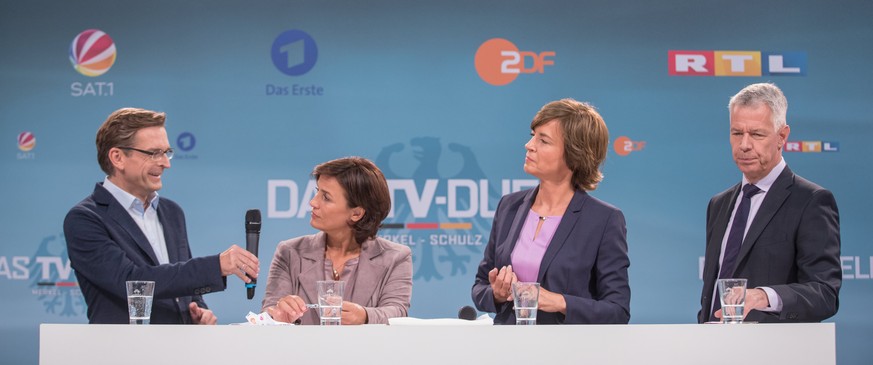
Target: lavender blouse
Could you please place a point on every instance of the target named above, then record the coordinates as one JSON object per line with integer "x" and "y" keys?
{"x": 529, "y": 250}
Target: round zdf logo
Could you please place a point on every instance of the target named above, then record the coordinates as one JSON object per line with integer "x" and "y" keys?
{"x": 92, "y": 52}
{"x": 294, "y": 52}
{"x": 498, "y": 61}
{"x": 623, "y": 146}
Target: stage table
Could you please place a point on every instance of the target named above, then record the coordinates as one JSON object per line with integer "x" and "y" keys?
{"x": 673, "y": 344}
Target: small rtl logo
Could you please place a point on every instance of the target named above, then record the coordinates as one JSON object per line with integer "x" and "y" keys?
{"x": 812, "y": 146}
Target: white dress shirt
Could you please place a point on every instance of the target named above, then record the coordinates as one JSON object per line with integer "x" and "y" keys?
{"x": 146, "y": 219}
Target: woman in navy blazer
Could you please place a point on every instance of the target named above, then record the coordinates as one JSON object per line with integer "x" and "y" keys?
{"x": 556, "y": 234}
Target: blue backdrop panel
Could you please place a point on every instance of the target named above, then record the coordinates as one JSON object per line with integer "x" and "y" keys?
{"x": 258, "y": 94}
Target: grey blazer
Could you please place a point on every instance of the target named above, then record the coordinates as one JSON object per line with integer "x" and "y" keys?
{"x": 383, "y": 285}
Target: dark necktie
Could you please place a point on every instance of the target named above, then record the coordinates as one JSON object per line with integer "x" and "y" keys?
{"x": 735, "y": 237}
{"x": 738, "y": 230}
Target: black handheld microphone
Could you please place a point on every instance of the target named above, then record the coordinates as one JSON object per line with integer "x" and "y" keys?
{"x": 253, "y": 234}
{"x": 467, "y": 312}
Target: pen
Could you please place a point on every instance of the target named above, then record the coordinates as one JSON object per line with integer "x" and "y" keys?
{"x": 313, "y": 306}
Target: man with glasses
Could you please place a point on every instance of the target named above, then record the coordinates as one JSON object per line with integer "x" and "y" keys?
{"x": 125, "y": 231}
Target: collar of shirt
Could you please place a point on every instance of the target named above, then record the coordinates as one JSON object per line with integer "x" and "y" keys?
{"x": 768, "y": 180}
{"x": 127, "y": 200}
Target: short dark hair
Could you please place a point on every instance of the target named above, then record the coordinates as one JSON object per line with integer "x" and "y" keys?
{"x": 119, "y": 130}
{"x": 586, "y": 139}
{"x": 365, "y": 187}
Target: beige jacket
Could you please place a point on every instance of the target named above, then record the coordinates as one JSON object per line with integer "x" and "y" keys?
{"x": 383, "y": 285}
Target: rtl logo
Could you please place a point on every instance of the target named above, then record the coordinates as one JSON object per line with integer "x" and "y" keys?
{"x": 812, "y": 146}
{"x": 736, "y": 63}
{"x": 498, "y": 61}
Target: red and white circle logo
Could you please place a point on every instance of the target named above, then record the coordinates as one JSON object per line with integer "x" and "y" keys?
{"x": 26, "y": 141}
{"x": 92, "y": 52}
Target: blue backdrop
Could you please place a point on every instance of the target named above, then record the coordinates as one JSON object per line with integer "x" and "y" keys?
{"x": 440, "y": 95}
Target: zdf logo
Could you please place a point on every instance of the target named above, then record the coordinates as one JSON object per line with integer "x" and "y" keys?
{"x": 498, "y": 61}
{"x": 623, "y": 146}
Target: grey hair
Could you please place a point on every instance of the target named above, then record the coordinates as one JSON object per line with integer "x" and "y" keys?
{"x": 763, "y": 93}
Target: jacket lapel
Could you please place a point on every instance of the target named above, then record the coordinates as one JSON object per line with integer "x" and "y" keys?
{"x": 568, "y": 221}
{"x": 122, "y": 217}
{"x": 771, "y": 204}
{"x": 723, "y": 208}
{"x": 504, "y": 254}
{"x": 170, "y": 229}
{"x": 369, "y": 274}
{"x": 721, "y": 221}
{"x": 311, "y": 268}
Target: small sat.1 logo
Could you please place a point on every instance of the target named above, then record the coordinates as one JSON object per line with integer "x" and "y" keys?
{"x": 26, "y": 141}
{"x": 26, "y": 144}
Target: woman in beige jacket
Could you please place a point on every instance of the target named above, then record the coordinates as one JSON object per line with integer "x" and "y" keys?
{"x": 348, "y": 208}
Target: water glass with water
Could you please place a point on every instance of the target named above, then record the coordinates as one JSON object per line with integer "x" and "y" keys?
{"x": 732, "y": 293}
{"x": 330, "y": 302}
{"x": 139, "y": 300}
{"x": 526, "y": 299}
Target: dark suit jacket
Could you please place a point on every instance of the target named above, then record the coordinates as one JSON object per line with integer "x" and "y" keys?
{"x": 792, "y": 246}
{"x": 586, "y": 261}
{"x": 383, "y": 283}
{"x": 107, "y": 248}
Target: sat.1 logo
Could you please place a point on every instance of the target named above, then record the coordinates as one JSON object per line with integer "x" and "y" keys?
{"x": 92, "y": 54}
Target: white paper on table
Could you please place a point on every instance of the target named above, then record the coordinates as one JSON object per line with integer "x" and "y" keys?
{"x": 263, "y": 319}
{"x": 483, "y": 320}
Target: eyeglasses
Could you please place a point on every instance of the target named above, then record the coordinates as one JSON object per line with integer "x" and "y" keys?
{"x": 154, "y": 155}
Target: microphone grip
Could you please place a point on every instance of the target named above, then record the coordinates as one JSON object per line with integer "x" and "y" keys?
{"x": 252, "y": 242}
{"x": 252, "y": 246}
{"x": 250, "y": 289}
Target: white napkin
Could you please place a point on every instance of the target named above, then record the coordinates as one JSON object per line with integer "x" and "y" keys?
{"x": 264, "y": 319}
{"x": 483, "y": 320}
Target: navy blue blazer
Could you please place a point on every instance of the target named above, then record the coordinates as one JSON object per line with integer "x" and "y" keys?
{"x": 107, "y": 248}
{"x": 792, "y": 246}
{"x": 586, "y": 261}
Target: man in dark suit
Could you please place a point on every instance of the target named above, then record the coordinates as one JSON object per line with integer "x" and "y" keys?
{"x": 124, "y": 231}
{"x": 776, "y": 229}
